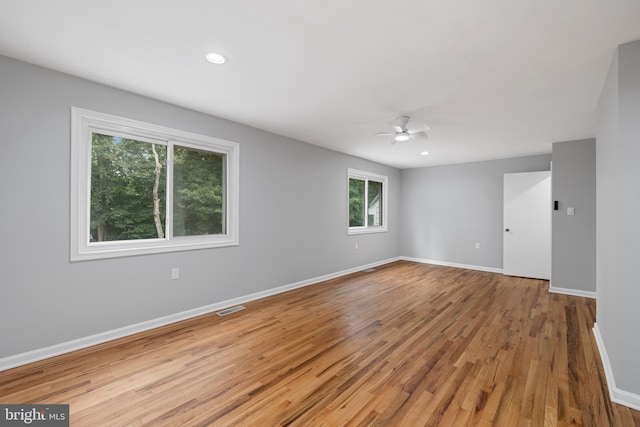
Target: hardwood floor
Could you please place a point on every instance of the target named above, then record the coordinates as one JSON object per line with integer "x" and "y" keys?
{"x": 406, "y": 345}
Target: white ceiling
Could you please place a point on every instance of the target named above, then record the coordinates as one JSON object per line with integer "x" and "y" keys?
{"x": 493, "y": 78}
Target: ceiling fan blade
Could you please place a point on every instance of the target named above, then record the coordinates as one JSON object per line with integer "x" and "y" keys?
{"x": 383, "y": 134}
{"x": 402, "y": 122}
{"x": 422, "y": 129}
{"x": 420, "y": 134}
{"x": 397, "y": 128}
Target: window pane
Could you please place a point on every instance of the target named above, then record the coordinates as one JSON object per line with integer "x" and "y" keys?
{"x": 374, "y": 200}
{"x": 356, "y": 202}
{"x": 198, "y": 195}
{"x": 127, "y": 189}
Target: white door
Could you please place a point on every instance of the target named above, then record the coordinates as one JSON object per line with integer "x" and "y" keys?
{"x": 527, "y": 225}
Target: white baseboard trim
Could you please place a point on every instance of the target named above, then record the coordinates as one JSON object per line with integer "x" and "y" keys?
{"x": 617, "y": 395}
{"x": 91, "y": 340}
{"x": 453, "y": 264}
{"x": 573, "y": 292}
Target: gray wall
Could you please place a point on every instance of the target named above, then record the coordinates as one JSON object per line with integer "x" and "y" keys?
{"x": 447, "y": 209}
{"x": 293, "y": 210}
{"x": 618, "y": 207}
{"x": 606, "y": 212}
{"x": 573, "y": 247}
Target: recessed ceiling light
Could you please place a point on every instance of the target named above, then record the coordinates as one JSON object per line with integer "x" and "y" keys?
{"x": 425, "y": 153}
{"x": 216, "y": 58}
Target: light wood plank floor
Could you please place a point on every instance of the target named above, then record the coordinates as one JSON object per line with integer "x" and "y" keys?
{"x": 406, "y": 345}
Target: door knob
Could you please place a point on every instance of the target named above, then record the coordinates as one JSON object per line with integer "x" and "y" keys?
{"x": 506, "y": 229}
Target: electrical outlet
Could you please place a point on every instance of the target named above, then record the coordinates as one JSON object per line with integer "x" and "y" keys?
{"x": 175, "y": 273}
{"x": 357, "y": 247}
{"x": 477, "y": 245}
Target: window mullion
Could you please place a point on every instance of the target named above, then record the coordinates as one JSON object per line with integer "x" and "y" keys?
{"x": 169, "y": 193}
{"x": 366, "y": 203}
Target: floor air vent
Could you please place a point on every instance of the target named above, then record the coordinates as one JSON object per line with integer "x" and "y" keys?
{"x": 230, "y": 310}
{"x": 369, "y": 270}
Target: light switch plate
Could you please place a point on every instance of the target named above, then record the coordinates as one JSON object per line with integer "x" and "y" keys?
{"x": 571, "y": 211}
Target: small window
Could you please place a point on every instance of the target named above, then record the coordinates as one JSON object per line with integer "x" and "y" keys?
{"x": 367, "y": 202}
{"x": 139, "y": 188}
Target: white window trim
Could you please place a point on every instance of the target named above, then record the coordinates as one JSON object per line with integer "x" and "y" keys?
{"x": 82, "y": 122}
{"x": 358, "y": 174}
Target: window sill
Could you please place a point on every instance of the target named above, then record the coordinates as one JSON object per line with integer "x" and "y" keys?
{"x": 366, "y": 230}
{"x": 107, "y": 250}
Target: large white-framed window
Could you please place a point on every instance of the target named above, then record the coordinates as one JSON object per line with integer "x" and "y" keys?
{"x": 140, "y": 188}
{"x": 367, "y": 201}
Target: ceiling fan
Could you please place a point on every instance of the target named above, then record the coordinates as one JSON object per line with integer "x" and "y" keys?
{"x": 401, "y": 132}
